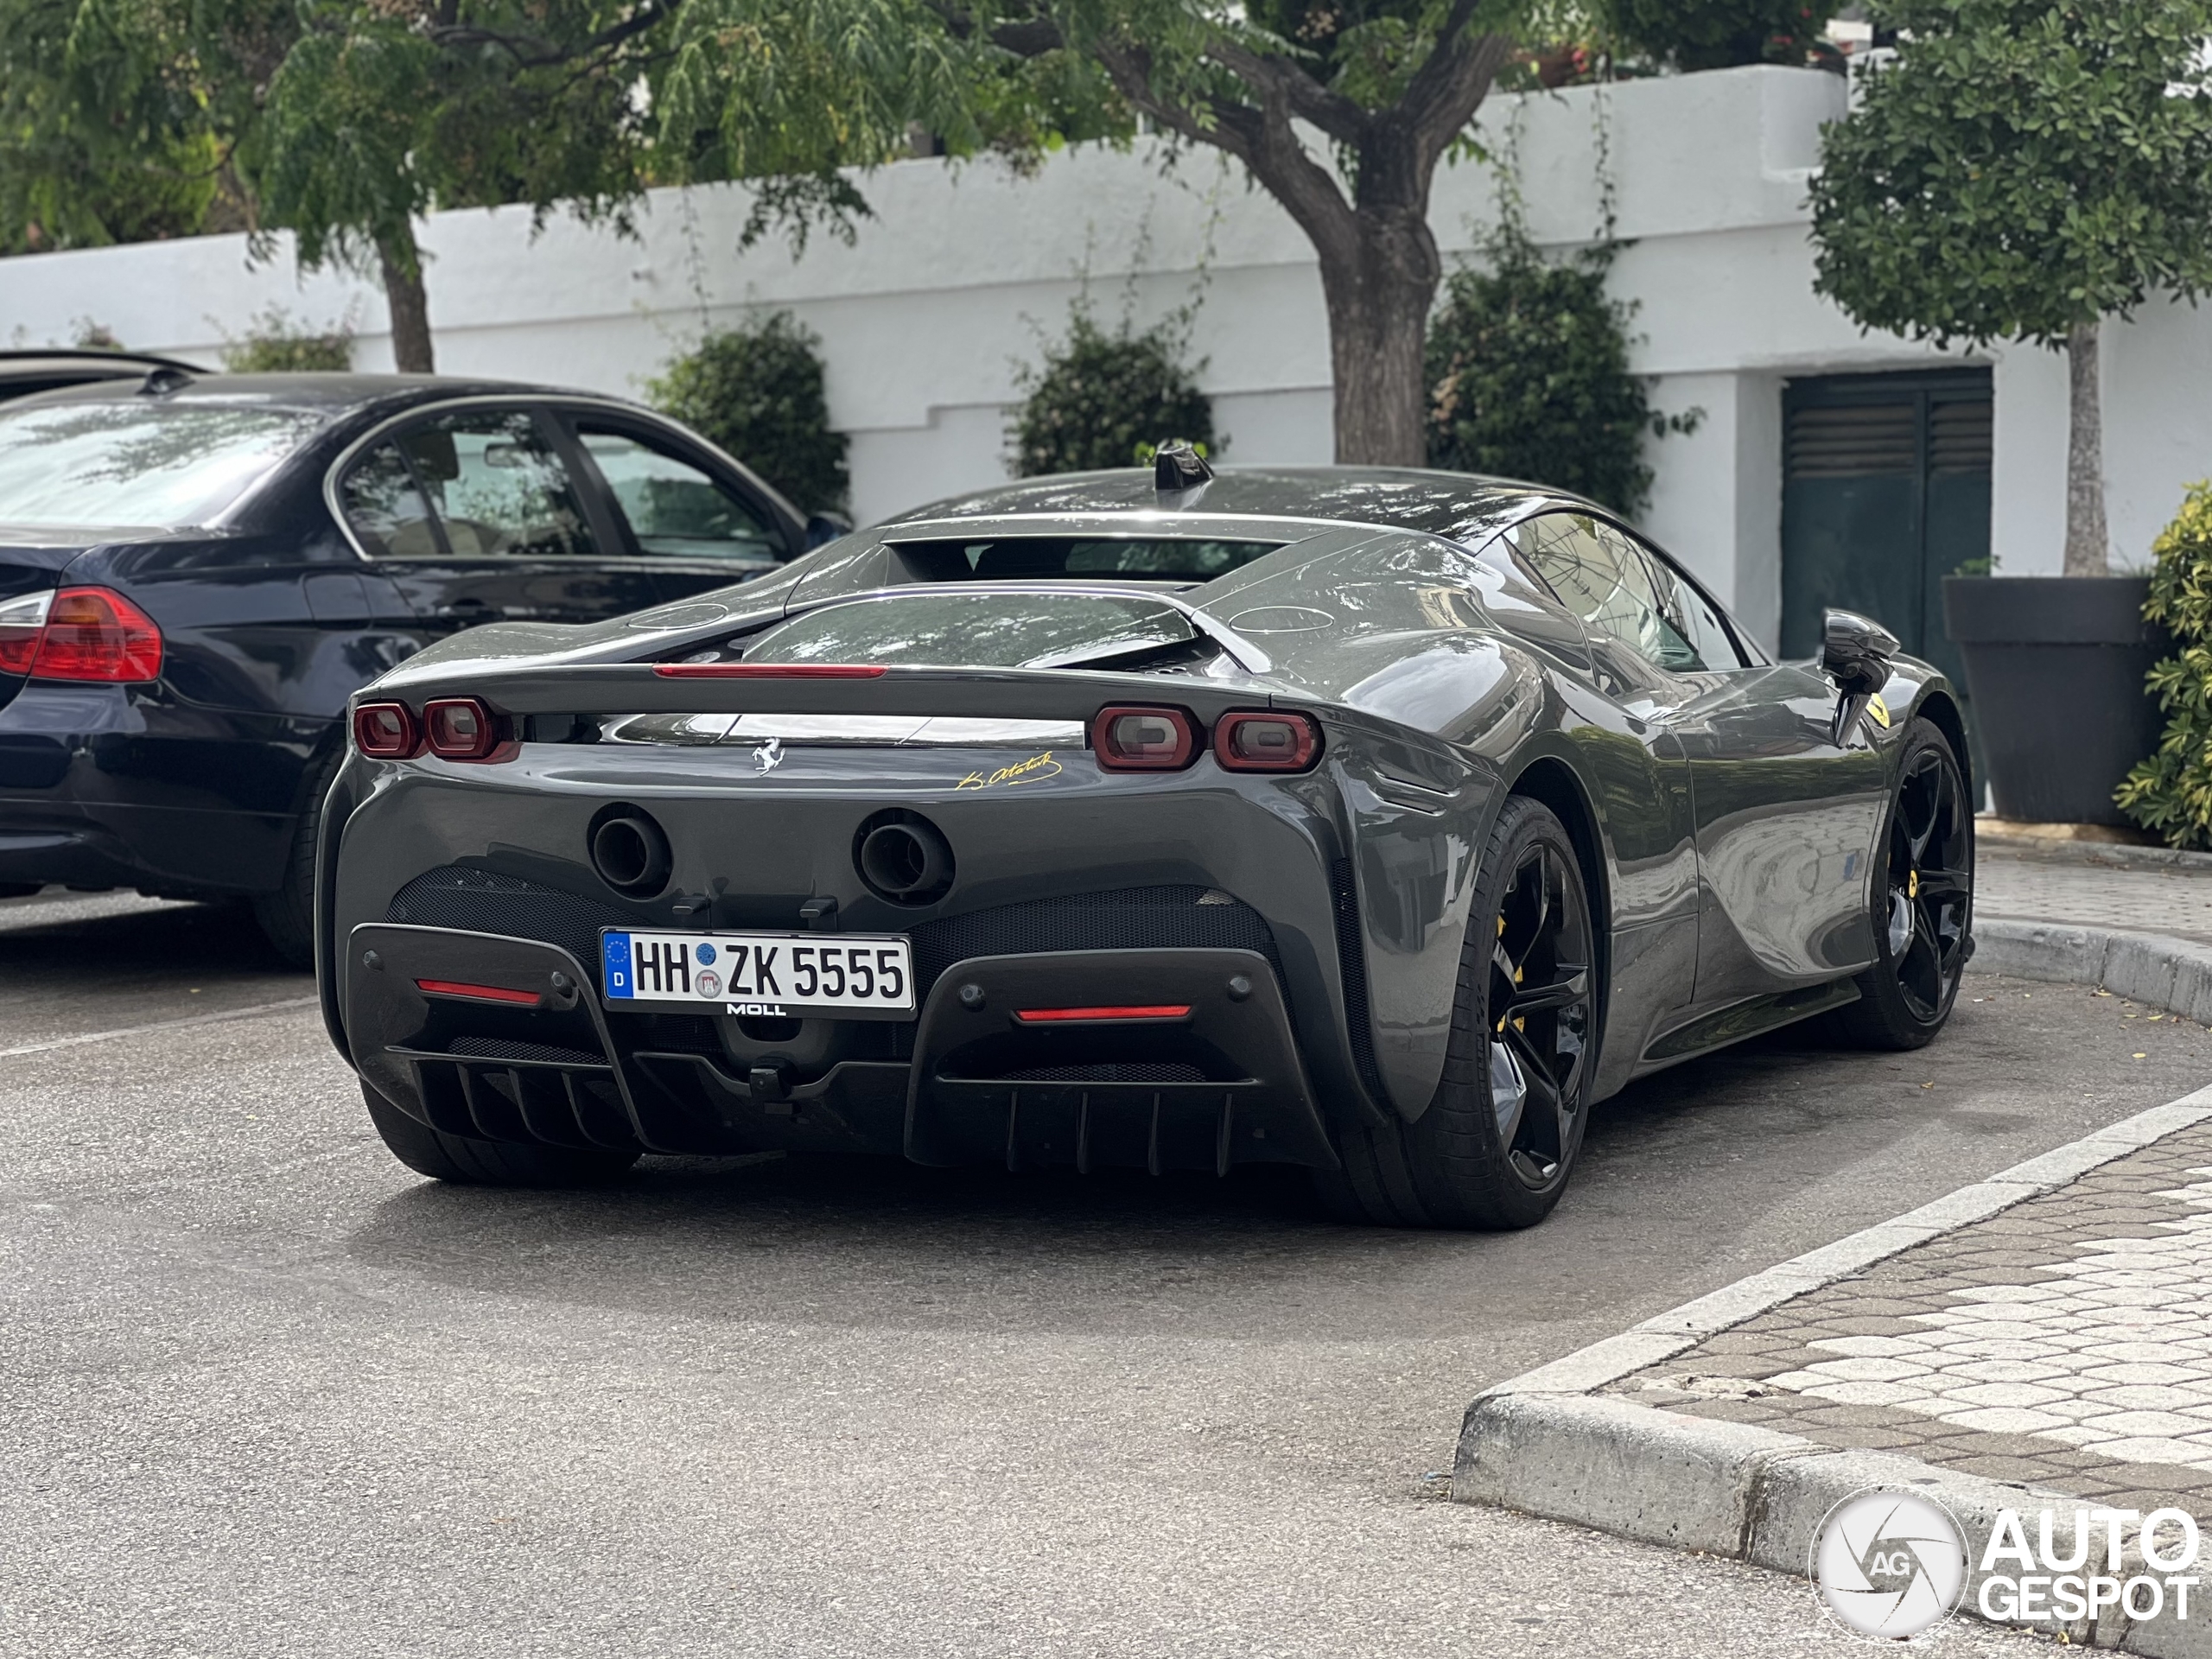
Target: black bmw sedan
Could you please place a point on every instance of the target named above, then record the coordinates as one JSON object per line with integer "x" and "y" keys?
{"x": 196, "y": 572}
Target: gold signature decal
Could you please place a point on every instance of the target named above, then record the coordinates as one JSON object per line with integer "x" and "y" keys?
{"x": 1035, "y": 769}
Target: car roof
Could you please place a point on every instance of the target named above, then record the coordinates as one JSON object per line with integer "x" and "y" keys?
{"x": 332, "y": 394}
{"x": 1407, "y": 497}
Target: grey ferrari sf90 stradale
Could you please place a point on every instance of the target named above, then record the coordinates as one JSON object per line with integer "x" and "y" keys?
{"x": 1376, "y": 822}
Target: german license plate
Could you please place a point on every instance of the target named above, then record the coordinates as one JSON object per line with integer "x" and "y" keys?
{"x": 841, "y": 976}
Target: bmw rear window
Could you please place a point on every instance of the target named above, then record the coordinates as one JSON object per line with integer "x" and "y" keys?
{"x": 143, "y": 464}
{"x": 1077, "y": 558}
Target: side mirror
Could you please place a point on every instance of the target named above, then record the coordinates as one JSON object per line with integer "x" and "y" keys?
{"x": 1855, "y": 651}
{"x": 826, "y": 527}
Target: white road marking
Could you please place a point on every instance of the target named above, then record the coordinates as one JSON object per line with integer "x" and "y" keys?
{"x": 160, "y": 1024}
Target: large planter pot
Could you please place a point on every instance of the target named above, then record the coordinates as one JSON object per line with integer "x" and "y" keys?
{"x": 2055, "y": 668}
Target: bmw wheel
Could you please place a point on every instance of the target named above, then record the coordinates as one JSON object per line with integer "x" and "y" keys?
{"x": 1498, "y": 1141}
{"x": 1923, "y": 903}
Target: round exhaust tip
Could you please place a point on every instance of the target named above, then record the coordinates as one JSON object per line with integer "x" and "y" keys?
{"x": 903, "y": 857}
{"x": 630, "y": 852}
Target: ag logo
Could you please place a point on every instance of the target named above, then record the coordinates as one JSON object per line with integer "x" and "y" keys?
{"x": 1890, "y": 1564}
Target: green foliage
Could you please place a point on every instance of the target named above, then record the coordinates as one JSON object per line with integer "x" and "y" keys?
{"x": 2171, "y": 792}
{"x": 1103, "y": 399}
{"x": 1528, "y": 376}
{"x": 277, "y": 343}
{"x": 339, "y": 120}
{"x": 757, "y": 391}
{"x": 2021, "y": 166}
{"x": 68, "y": 178}
{"x": 1717, "y": 33}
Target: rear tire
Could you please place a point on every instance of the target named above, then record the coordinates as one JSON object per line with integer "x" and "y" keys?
{"x": 1499, "y": 1142}
{"x": 1923, "y": 904}
{"x": 488, "y": 1163}
{"x": 287, "y": 916}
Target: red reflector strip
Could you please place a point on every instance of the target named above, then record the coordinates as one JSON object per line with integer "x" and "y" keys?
{"x": 480, "y": 993}
{"x": 768, "y": 670}
{"x": 1150, "y": 1011}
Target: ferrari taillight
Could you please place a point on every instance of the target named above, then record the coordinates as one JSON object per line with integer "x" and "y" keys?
{"x": 459, "y": 729}
{"x": 1144, "y": 740}
{"x": 1268, "y": 742}
{"x": 82, "y": 634}
{"x": 385, "y": 731}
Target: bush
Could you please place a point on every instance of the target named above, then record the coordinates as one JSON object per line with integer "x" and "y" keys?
{"x": 2171, "y": 792}
{"x": 757, "y": 390}
{"x": 276, "y": 344}
{"x": 1528, "y": 377}
{"x": 1718, "y": 33}
{"x": 1106, "y": 400}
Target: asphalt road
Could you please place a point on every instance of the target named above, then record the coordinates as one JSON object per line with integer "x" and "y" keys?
{"x": 262, "y": 1392}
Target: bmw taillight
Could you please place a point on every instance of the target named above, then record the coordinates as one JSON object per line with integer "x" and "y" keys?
{"x": 22, "y": 624}
{"x": 385, "y": 731}
{"x": 459, "y": 729}
{"x": 1144, "y": 740}
{"x": 1266, "y": 742}
{"x": 79, "y": 633}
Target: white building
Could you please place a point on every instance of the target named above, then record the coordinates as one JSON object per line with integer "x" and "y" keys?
{"x": 925, "y": 318}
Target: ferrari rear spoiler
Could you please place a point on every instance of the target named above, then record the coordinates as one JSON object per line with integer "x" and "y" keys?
{"x": 647, "y": 689}
{"x": 684, "y": 689}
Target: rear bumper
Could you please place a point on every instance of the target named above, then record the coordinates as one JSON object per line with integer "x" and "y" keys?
{"x": 1221, "y": 1085}
{"x": 109, "y": 786}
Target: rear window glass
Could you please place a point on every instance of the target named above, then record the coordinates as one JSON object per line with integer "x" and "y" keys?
{"x": 1076, "y": 559}
{"x": 143, "y": 464}
{"x": 972, "y": 631}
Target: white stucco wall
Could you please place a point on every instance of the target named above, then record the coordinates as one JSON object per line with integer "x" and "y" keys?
{"x": 925, "y": 317}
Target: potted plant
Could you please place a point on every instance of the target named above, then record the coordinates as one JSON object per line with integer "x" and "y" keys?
{"x": 2022, "y": 170}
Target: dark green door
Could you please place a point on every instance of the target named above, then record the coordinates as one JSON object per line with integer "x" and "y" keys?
{"x": 1885, "y": 491}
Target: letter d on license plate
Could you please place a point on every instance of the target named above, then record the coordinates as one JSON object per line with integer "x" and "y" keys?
{"x": 770, "y": 975}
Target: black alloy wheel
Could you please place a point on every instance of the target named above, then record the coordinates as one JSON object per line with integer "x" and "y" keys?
{"x": 1540, "y": 998}
{"x": 1923, "y": 903}
{"x": 1498, "y": 1141}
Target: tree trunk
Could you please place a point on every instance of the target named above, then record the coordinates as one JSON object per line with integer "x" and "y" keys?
{"x": 402, "y": 262}
{"x": 1379, "y": 290}
{"x": 2087, "y": 544}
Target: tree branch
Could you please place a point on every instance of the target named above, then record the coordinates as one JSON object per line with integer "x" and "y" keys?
{"x": 1447, "y": 91}
{"x": 1262, "y": 138}
{"x": 1276, "y": 79}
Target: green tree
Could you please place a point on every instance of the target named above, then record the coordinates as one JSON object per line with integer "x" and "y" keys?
{"x": 757, "y": 391}
{"x": 339, "y": 120}
{"x": 2023, "y": 169}
{"x": 1104, "y": 399}
{"x": 1695, "y": 34}
{"x": 792, "y": 91}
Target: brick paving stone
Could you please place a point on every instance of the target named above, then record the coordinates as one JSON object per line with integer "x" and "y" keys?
{"x": 2064, "y": 1343}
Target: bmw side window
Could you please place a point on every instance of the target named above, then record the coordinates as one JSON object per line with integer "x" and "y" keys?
{"x": 497, "y": 487}
{"x": 387, "y": 509}
{"x": 675, "y": 510}
{"x": 1689, "y": 614}
{"x": 1605, "y": 580}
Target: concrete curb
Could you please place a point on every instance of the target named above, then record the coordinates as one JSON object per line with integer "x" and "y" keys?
{"x": 1543, "y": 1443}
{"x": 2175, "y": 974}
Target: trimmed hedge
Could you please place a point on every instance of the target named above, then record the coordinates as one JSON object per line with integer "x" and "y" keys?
{"x": 1528, "y": 378}
{"x": 1101, "y": 400}
{"x": 756, "y": 389}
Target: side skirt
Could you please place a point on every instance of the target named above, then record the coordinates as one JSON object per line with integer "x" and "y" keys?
{"x": 1760, "y": 1013}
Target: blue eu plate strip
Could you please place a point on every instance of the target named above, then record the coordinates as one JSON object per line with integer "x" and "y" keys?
{"x": 617, "y": 964}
